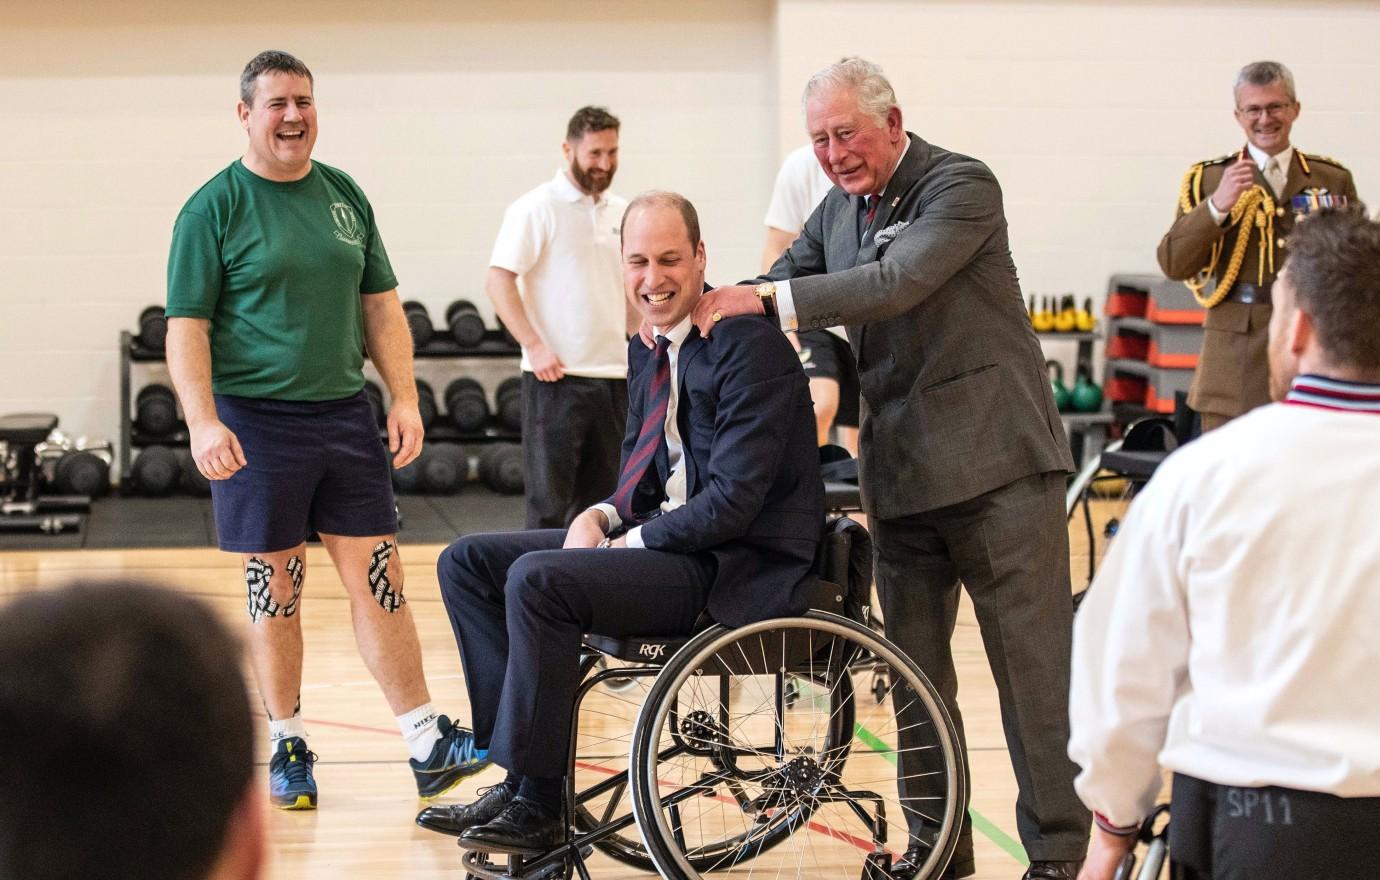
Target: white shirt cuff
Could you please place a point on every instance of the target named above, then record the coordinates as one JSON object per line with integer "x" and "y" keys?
{"x": 609, "y": 511}
{"x": 634, "y": 538}
{"x": 1217, "y": 216}
{"x": 785, "y": 306}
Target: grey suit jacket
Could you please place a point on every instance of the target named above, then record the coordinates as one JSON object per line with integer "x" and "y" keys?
{"x": 956, "y": 398}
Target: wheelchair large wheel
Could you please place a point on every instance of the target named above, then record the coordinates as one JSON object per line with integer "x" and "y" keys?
{"x": 1096, "y": 515}
{"x": 603, "y": 743}
{"x": 608, "y": 714}
{"x": 726, "y": 768}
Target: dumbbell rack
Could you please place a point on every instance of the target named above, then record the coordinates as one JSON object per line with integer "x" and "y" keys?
{"x": 494, "y": 345}
{"x": 133, "y": 352}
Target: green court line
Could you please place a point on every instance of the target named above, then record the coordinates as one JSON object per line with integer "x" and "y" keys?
{"x": 1009, "y": 845}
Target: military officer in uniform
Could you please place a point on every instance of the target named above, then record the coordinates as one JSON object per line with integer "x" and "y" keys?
{"x": 1230, "y": 233}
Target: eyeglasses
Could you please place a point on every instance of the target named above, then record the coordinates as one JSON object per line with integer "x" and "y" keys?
{"x": 1255, "y": 112}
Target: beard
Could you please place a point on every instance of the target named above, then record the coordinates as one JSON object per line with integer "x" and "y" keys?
{"x": 592, "y": 182}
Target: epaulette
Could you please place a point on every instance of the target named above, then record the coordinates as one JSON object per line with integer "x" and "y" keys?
{"x": 1327, "y": 160}
{"x": 1220, "y": 160}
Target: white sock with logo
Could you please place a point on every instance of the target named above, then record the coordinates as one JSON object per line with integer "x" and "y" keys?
{"x": 419, "y": 729}
{"x": 281, "y": 730}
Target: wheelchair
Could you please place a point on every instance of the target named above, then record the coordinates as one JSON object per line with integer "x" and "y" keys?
{"x": 1154, "y": 835}
{"x": 1101, "y": 492}
{"x": 703, "y": 753}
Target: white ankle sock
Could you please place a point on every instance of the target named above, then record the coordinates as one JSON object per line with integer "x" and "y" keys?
{"x": 419, "y": 729}
{"x": 280, "y": 730}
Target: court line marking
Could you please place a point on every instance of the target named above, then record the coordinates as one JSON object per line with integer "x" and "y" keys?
{"x": 981, "y": 823}
{"x": 989, "y": 829}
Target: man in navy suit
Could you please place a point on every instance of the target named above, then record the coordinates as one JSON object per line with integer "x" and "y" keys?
{"x": 719, "y": 506}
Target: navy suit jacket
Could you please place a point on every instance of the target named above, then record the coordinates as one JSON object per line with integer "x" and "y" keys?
{"x": 754, "y": 495}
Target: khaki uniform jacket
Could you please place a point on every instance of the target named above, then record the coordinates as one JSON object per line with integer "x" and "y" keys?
{"x": 1233, "y": 369}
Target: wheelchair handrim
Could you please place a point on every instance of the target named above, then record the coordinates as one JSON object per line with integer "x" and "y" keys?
{"x": 655, "y": 710}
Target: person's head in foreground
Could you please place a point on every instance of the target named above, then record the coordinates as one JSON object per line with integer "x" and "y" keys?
{"x": 1326, "y": 318}
{"x": 126, "y": 739}
{"x": 663, "y": 257}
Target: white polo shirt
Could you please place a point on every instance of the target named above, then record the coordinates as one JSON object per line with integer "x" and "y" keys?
{"x": 563, "y": 246}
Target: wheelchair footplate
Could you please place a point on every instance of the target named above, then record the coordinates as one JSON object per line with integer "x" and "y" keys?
{"x": 559, "y": 862}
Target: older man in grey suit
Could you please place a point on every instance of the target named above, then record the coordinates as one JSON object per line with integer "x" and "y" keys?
{"x": 963, "y": 456}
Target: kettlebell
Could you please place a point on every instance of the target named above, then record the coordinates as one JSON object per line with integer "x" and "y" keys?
{"x": 1066, "y": 319}
{"x": 1044, "y": 318}
{"x": 1056, "y": 384}
{"x": 1086, "y": 396}
{"x": 1084, "y": 320}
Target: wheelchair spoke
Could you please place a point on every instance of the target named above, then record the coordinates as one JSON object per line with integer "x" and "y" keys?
{"x": 784, "y": 773}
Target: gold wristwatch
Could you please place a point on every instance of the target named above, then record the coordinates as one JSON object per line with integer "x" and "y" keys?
{"x": 766, "y": 292}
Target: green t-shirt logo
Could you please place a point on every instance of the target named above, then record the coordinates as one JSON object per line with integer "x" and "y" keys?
{"x": 347, "y": 226}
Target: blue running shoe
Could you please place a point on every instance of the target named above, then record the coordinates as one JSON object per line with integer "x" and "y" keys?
{"x": 291, "y": 785}
{"x": 453, "y": 758}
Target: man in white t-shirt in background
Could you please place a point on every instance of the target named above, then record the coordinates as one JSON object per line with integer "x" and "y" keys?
{"x": 555, "y": 282}
{"x": 824, "y": 354}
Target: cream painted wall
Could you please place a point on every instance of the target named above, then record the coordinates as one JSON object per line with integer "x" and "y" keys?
{"x": 113, "y": 113}
{"x": 1090, "y": 112}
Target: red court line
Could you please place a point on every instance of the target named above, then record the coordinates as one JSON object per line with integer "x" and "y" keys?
{"x": 864, "y": 845}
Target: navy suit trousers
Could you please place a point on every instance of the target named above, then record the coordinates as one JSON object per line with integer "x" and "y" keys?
{"x": 520, "y": 605}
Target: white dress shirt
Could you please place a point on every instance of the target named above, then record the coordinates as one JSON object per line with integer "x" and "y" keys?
{"x": 675, "y": 449}
{"x": 1233, "y": 632}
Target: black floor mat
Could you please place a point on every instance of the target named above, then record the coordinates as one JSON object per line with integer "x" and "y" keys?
{"x": 117, "y": 522}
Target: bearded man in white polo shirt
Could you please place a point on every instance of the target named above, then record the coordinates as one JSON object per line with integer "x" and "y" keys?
{"x": 1230, "y": 636}
{"x": 556, "y": 283}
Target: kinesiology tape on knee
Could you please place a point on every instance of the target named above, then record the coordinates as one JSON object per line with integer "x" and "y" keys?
{"x": 384, "y": 594}
{"x": 258, "y": 577}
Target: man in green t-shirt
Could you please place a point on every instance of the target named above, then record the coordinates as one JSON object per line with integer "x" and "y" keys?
{"x": 278, "y": 282}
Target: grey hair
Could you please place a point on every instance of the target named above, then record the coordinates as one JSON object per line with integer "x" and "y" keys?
{"x": 865, "y": 79}
{"x": 1262, "y": 73}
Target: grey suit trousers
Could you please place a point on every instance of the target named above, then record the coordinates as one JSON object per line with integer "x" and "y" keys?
{"x": 1009, "y": 547}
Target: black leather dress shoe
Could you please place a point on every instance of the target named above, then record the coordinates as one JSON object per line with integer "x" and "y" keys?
{"x": 913, "y": 858}
{"x": 1052, "y": 871}
{"x": 522, "y": 828}
{"x": 454, "y": 819}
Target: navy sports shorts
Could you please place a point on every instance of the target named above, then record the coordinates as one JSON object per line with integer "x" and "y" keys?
{"x": 825, "y": 356}
{"x": 313, "y": 466}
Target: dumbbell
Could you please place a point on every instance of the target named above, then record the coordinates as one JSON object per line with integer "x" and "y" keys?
{"x": 446, "y": 468}
{"x": 375, "y": 395}
{"x": 153, "y": 328}
{"x": 408, "y": 480}
{"x": 509, "y": 398}
{"x": 156, "y": 470}
{"x": 500, "y": 467}
{"x": 426, "y": 402}
{"x": 465, "y": 322}
{"x": 466, "y": 405}
{"x": 192, "y": 481}
{"x": 156, "y": 410}
{"x": 418, "y": 323}
{"x": 82, "y": 472}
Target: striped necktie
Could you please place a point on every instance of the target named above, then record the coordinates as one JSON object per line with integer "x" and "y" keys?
{"x": 652, "y": 436}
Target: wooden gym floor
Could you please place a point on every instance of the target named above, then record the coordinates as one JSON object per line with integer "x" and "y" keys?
{"x": 364, "y": 828}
